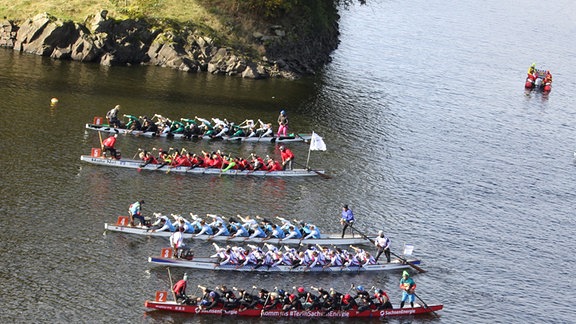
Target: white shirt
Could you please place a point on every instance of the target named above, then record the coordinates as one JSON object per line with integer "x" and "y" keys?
{"x": 382, "y": 242}
{"x": 176, "y": 239}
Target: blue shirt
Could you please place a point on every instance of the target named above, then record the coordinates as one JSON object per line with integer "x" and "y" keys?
{"x": 135, "y": 208}
{"x": 347, "y": 215}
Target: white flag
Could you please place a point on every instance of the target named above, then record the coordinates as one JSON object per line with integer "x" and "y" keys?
{"x": 317, "y": 143}
{"x": 408, "y": 249}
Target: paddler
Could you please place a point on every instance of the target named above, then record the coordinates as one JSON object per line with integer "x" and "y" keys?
{"x": 282, "y": 124}
{"x": 135, "y": 211}
{"x": 381, "y": 300}
{"x": 162, "y": 224}
{"x": 177, "y": 241}
{"x": 383, "y": 245}
{"x": 179, "y": 290}
{"x": 407, "y": 285}
{"x": 287, "y": 157}
{"x": 293, "y": 303}
{"x": 109, "y": 145}
{"x": 347, "y": 219}
{"x": 112, "y": 117}
{"x": 548, "y": 77}
{"x": 365, "y": 301}
{"x": 532, "y": 74}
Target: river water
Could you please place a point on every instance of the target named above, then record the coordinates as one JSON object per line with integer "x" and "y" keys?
{"x": 430, "y": 138}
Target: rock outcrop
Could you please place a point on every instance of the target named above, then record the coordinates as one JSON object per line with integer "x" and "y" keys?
{"x": 127, "y": 42}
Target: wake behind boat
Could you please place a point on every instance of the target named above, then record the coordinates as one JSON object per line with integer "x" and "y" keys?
{"x": 138, "y": 165}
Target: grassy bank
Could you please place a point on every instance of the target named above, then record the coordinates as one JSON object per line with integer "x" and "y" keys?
{"x": 77, "y": 10}
{"x": 302, "y": 33}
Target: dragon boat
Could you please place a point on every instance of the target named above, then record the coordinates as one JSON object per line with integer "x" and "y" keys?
{"x": 326, "y": 239}
{"x": 294, "y": 137}
{"x": 96, "y": 158}
{"x": 161, "y": 304}
{"x": 209, "y": 263}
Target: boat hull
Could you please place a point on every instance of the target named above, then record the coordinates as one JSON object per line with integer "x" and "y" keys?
{"x": 193, "y": 309}
{"x": 326, "y": 239}
{"x": 136, "y": 164}
{"x": 207, "y": 264}
{"x": 268, "y": 139}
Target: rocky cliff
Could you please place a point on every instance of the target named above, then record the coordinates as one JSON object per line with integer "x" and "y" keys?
{"x": 284, "y": 53}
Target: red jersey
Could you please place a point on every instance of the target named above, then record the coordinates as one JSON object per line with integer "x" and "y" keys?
{"x": 150, "y": 159}
{"x": 110, "y": 141}
{"x": 286, "y": 154}
{"x": 180, "y": 287}
{"x": 274, "y": 166}
{"x": 181, "y": 160}
{"x": 263, "y": 165}
{"x": 245, "y": 165}
{"x": 216, "y": 162}
{"x": 198, "y": 162}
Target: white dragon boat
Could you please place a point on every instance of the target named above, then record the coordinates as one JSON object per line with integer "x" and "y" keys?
{"x": 139, "y": 165}
{"x": 206, "y": 263}
{"x": 326, "y": 239}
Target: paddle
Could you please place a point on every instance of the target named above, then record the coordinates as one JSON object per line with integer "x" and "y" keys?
{"x": 134, "y": 157}
{"x": 303, "y": 139}
{"x": 171, "y": 284}
{"x": 145, "y": 163}
{"x": 394, "y": 254}
{"x": 325, "y": 176}
{"x": 265, "y": 302}
{"x": 425, "y": 305}
{"x": 101, "y": 144}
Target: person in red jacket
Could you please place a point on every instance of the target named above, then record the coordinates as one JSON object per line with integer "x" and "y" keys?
{"x": 147, "y": 158}
{"x": 287, "y": 157}
{"x": 216, "y": 161}
{"x": 258, "y": 163}
{"x": 109, "y": 145}
{"x": 244, "y": 164}
{"x": 180, "y": 160}
{"x": 274, "y": 165}
{"x": 179, "y": 290}
{"x": 197, "y": 161}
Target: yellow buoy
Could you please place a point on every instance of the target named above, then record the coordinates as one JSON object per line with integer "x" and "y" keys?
{"x": 53, "y": 101}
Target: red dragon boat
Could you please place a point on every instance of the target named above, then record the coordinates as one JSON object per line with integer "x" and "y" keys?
{"x": 352, "y": 313}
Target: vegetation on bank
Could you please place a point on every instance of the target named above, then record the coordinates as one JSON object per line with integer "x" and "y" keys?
{"x": 217, "y": 15}
{"x": 306, "y": 28}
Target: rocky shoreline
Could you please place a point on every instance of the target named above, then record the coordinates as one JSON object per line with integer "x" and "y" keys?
{"x": 112, "y": 42}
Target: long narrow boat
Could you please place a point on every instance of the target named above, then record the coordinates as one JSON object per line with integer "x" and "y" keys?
{"x": 194, "y": 309}
{"x": 327, "y": 239}
{"x": 268, "y": 139}
{"x": 136, "y": 164}
{"x": 211, "y": 264}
